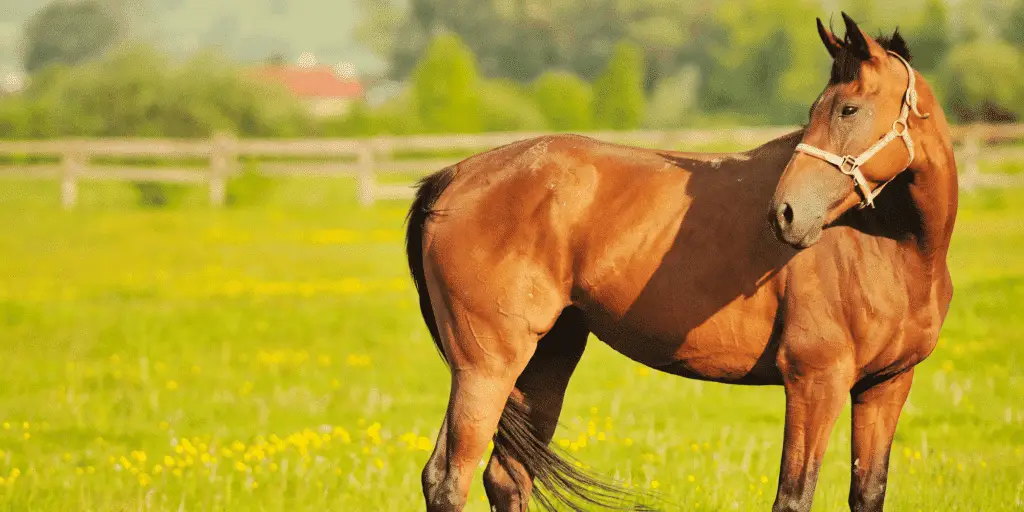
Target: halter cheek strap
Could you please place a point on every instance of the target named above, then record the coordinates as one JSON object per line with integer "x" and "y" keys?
{"x": 850, "y": 165}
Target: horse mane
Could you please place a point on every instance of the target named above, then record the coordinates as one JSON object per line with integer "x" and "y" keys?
{"x": 846, "y": 66}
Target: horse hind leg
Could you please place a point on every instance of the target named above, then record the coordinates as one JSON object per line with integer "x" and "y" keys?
{"x": 533, "y": 411}
{"x": 486, "y": 356}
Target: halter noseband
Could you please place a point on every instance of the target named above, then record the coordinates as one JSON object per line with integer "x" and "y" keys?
{"x": 850, "y": 165}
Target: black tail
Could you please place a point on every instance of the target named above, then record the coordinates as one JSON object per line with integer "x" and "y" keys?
{"x": 560, "y": 479}
{"x": 428, "y": 190}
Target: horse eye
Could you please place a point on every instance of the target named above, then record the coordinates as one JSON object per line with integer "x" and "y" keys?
{"x": 849, "y": 110}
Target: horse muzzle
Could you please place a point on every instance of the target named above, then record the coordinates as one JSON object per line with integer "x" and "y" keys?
{"x": 795, "y": 224}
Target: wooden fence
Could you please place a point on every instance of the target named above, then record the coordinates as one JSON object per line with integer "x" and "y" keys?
{"x": 73, "y": 160}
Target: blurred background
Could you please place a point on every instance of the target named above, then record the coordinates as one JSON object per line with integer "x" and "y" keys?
{"x": 204, "y": 303}
{"x": 184, "y": 68}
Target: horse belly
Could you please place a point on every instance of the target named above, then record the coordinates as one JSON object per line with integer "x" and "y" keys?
{"x": 736, "y": 345}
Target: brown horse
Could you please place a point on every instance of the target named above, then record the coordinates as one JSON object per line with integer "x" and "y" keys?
{"x": 521, "y": 252}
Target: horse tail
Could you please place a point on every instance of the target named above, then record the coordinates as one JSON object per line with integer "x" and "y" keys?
{"x": 561, "y": 479}
{"x": 422, "y": 210}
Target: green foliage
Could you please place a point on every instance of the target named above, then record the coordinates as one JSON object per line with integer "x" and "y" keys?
{"x": 250, "y": 188}
{"x": 521, "y": 41}
{"x": 68, "y": 32}
{"x": 397, "y": 116}
{"x": 619, "y": 100}
{"x": 505, "y": 106}
{"x": 674, "y": 98}
{"x": 154, "y": 194}
{"x": 137, "y": 91}
{"x": 447, "y": 87}
{"x": 930, "y": 38}
{"x": 986, "y": 88}
{"x": 1013, "y": 31}
{"x": 359, "y": 121}
{"x": 565, "y": 100}
{"x": 761, "y": 64}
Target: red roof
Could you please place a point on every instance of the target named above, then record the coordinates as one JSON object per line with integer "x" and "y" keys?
{"x": 316, "y": 82}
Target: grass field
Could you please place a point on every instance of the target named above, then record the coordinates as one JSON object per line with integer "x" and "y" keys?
{"x": 271, "y": 357}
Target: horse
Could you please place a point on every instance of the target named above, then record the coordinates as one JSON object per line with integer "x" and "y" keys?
{"x": 783, "y": 265}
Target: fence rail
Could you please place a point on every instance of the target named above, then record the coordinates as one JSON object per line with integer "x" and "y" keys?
{"x": 75, "y": 160}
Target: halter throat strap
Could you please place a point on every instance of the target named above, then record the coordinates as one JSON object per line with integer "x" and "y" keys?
{"x": 850, "y": 165}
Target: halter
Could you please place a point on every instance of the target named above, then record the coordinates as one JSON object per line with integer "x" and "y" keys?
{"x": 850, "y": 165}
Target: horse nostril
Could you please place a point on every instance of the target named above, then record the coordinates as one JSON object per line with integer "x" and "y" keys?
{"x": 784, "y": 215}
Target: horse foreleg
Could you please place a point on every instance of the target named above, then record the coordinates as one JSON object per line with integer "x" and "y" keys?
{"x": 813, "y": 403}
{"x": 875, "y": 413}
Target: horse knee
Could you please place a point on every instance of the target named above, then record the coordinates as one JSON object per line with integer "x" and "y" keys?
{"x": 504, "y": 494}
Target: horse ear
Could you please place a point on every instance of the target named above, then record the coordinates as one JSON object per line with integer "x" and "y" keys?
{"x": 898, "y": 46}
{"x": 832, "y": 44}
{"x": 862, "y": 45}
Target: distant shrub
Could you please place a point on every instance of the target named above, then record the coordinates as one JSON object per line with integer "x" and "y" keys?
{"x": 675, "y": 98}
{"x": 565, "y": 100}
{"x": 505, "y": 106}
{"x": 984, "y": 89}
{"x": 447, "y": 87}
{"x": 154, "y": 194}
{"x": 619, "y": 101}
{"x": 137, "y": 91}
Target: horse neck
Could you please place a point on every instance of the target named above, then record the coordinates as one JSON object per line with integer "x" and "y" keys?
{"x": 933, "y": 189}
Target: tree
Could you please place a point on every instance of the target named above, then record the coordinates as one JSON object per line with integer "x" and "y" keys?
{"x": 1014, "y": 29}
{"x": 759, "y": 63}
{"x": 68, "y": 32}
{"x": 447, "y": 87}
{"x": 985, "y": 89}
{"x": 137, "y": 91}
{"x": 507, "y": 107}
{"x": 674, "y": 98}
{"x": 929, "y": 38}
{"x": 619, "y": 93}
{"x": 521, "y": 39}
{"x": 565, "y": 100}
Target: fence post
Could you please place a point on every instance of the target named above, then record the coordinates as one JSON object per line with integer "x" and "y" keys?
{"x": 75, "y": 159}
{"x": 972, "y": 148}
{"x": 222, "y": 160}
{"x": 367, "y": 184}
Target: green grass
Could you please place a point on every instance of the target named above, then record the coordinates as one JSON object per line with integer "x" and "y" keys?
{"x": 271, "y": 357}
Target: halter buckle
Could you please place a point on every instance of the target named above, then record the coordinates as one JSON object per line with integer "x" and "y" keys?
{"x": 851, "y": 162}
{"x": 900, "y": 127}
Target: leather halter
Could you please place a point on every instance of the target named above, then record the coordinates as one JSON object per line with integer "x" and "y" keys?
{"x": 850, "y": 165}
